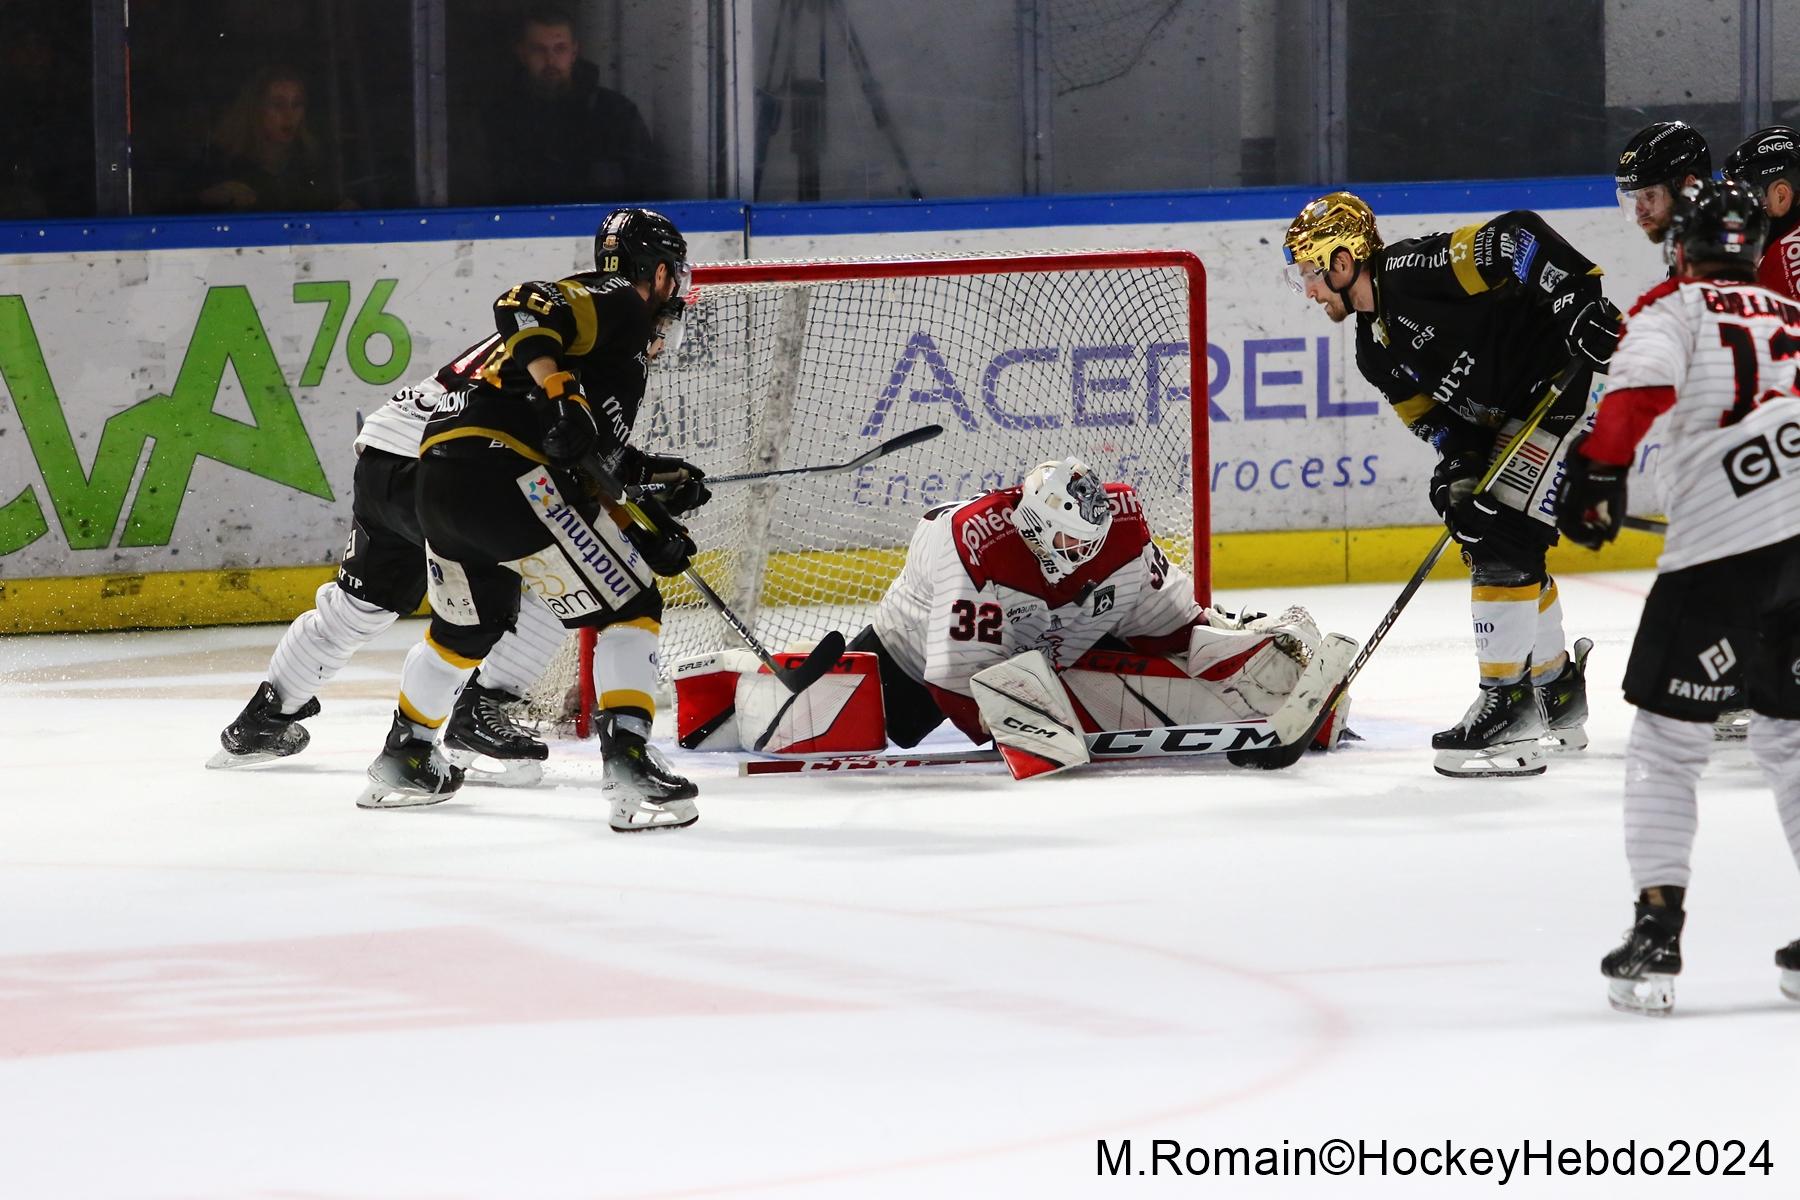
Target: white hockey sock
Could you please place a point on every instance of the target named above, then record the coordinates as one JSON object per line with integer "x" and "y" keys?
{"x": 429, "y": 683}
{"x": 1776, "y": 747}
{"x": 320, "y": 641}
{"x": 1506, "y": 621}
{"x": 1550, "y": 651}
{"x": 524, "y": 652}
{"x": 1663, "y": 761}
{"x": 625, "y": 665}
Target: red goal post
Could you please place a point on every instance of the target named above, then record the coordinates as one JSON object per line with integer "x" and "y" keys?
{"x": 1021, "y": 357}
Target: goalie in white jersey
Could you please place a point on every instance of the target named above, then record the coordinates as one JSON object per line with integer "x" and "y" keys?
{"x": 1059, "y": 577}
{"x": 1715, "y": 356}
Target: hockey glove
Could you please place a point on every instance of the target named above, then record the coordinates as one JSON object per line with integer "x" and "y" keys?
{"x": 1592, "y": 503}
{"x": 683, "y": 484}
{"x": 667, "y": 548}
{"x": 569, "y": 430}
{"x": 1453, "y": 481}
{"x": 1594, "y": 333}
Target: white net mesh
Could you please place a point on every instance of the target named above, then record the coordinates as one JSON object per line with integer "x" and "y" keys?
{"x": 1091, "y": 358}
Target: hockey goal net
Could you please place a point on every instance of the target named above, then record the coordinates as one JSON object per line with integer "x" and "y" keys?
{"x": 1020, "y": 358}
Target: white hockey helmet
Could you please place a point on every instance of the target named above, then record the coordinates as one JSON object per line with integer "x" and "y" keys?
{"x": 1062, "y": 514}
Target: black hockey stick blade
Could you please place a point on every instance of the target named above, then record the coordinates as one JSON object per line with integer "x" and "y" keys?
{"x": 904, "y": 441}
{"x": 824, "y": 656}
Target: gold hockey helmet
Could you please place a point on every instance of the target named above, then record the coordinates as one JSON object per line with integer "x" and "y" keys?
{"x": 1336, "y": 220}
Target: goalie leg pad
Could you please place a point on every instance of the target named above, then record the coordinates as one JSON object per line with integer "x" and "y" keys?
{"x": 1029, "y": 714}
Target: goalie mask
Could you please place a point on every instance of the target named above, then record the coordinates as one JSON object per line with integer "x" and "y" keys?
{"x": 1063, "y": 516}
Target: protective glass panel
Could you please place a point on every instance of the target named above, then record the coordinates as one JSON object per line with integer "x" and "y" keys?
{"x": 46, "y": 87}
{"x": 590, "y": 102}
{"x": 1674, "y": 60}
{"x": 242, "y": 105}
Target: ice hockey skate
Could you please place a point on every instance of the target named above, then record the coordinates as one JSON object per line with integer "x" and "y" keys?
{"x": 1732, "y": 726}
{"x": 1640, "y": 974}
{"x": 490, "y": 746}
{"x": 263, "y": 732}
{"x": 409, "y": 772}
{"x": 1563, "y": 702}
{"x": 1498, "y": 736}
{"x": 644, "y": 792}
{"x": 1788, "y": 959}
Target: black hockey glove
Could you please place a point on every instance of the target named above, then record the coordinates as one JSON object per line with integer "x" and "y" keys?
{"x": 1592, "y": 503}
{"x": 683, "y": 484}
{"x": 1594, "y": 333}
{"x": 1453, "y": 480}
{"x": 569, "y": 429}
{"x": 667, "y": 549}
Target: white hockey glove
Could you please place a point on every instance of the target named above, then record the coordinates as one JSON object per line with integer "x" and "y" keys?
{"x": 1255, "y": 665}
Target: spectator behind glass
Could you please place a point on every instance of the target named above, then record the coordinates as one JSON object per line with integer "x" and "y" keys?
{"x": 555, "y": 136}
{"x": 264, "y": 156}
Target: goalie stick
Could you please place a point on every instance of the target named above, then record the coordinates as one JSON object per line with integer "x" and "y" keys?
{"x": 1113, "y": 745}
{"x": 1294, "y": 741}
{"x": 910, "y": 438}
{"x": 824, "y": 655}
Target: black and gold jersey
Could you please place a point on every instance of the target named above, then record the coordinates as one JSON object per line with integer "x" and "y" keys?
{"x": 597, "y": 327}
{"x": 1469, "y": 326}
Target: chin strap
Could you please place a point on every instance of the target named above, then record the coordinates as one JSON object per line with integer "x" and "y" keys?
{"x": 1343, "y": 293}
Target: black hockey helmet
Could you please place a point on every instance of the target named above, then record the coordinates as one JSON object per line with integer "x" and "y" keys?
{"x": 1719, "y": 223}
{"x": 1664, "y": 152}
{"x": 631, "y": 241}
{"x": 1765, "y": 156}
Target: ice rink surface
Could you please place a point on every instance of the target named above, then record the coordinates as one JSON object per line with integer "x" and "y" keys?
{"x": 236, "y": 984}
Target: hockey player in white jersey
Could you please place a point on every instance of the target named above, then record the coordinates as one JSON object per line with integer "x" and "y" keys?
{"x": 1717, "y": 354}
{"x": 382, "y": 578}
{"x": 1055, "y": 587}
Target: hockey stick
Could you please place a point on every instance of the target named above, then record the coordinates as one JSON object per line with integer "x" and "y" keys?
{"x": 910, "y": 438}
{"x": 824, "y": 655}
{"x": 1645, "y": 524}
{"x": 1294, "y": 746}
{"x": 1112, "y": 745}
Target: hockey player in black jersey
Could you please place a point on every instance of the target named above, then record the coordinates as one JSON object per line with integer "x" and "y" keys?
{"x": 1464, "y": 333}
{"x": 1660, "y": 159}
{"x": 504, "y": 496}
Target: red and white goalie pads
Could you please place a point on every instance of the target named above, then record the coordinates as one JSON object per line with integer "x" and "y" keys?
{"x": 1025, "y": 708}
{"x": 729, "y": 701}
{"x": 1235, "y": 671}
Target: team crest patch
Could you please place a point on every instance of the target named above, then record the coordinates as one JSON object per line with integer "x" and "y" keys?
{"x": 1103, "y": 599}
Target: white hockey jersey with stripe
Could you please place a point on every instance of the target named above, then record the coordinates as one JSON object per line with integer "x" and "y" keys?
{"x": 971, "y": 594}
{"x": 398, "y": 425}
{"x": 1729, "y": 466}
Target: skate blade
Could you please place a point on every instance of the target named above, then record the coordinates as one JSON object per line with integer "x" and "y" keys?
{"x": 648, "y": 817}
{"x": 1524, "y": 758}
{"x": 1651, "y": 996}
{"x": 224, "y": 760}
{"x": 1790, "y": 984}
{"x": 497, "y": 772}
{"x": 1564, "y": 741}
{"x": 385, "y": 795}
{"x": 1731, "y": 731}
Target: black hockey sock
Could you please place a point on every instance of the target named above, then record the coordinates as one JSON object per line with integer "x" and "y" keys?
{"x": 1665, "y": 896}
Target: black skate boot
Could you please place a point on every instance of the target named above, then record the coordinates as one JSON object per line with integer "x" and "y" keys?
{"x": 1497, "y": 736}
{"x": 262, "y": 731}
{"x": 1640, "y": 975}
{"x": 480, "y": 727}
{"x": 1788, "y": 959}
{"x": 645, "y": 793}
{"x": 1563, "y": 702}
{"x": 408, "y": 772}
